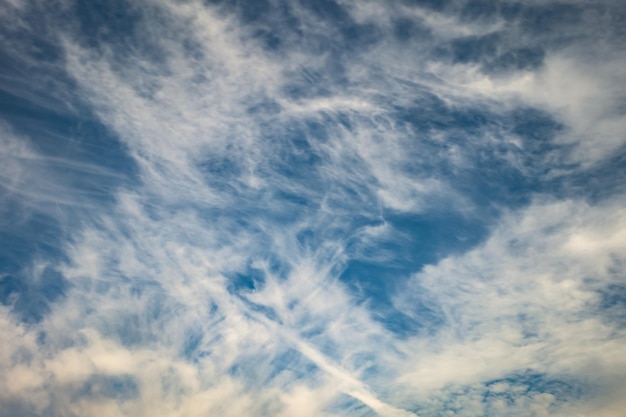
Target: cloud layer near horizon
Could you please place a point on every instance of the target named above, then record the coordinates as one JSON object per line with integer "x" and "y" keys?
{"x": 312, "y": 208}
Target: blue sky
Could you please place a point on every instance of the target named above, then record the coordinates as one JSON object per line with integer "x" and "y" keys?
{"x": 312, "y": 208}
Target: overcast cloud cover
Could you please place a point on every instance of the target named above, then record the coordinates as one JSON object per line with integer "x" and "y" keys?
{"x": 312, "y": 208}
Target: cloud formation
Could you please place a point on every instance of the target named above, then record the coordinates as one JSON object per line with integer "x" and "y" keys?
{"x": 327, "y": 208}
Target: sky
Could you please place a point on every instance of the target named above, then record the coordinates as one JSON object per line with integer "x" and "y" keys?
{"x": 312, "y": 208}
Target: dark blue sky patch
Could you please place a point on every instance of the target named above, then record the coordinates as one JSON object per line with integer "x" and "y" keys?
{"x": 429, "y": 113}
{"x": 221, "y": 172}
{"x": 245, "y": 282}
{"x": 118, "y": 29}
{"x": 613, "y": 304}
{"x": 495, "y": 187}
{"x": 406, "y": 29}
{"x": 35, "y": 36}
{"x": 417, "y": 240}
{"x": 541, "y": 18}
{"x": 615, "y": 28}
{"x": 499, "y": 173}
{"x": 474, "y": 48}
{"x": 75, "y": 143}
{"x": 426, "y": 112}
{"x": 270, "y": 40}
{"x": 428, "y": 237}
{"x": 251, "y": 279}
{"x": 252, "y": 11}
{"x": 480, "y": 10}
{"x": 531, "y": 18}
{"x": 536, "y": 127}
{"x": 10, "y": 289}
{"x": 436, "y": 5}
{"x": 104, "y": 22}
{"x": 511, "y": 10}
{"x": 193, "y": 50}
{"x": 274, "y": 24}
{"x": 423, "y": 239}
{"x": 45, "y": 51}
{"x": 280, "y": 26}
{"x": 307, "y": 238}
{"x": 360, "y": 37}
{"x": 329, "y": 10}
{"x": 531, "y": 30}
{"x": 30, "y": 297}
{"x": 27, "y": 235}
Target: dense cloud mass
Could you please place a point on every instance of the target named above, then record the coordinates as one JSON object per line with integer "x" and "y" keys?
{"x": 312, "y": 208}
